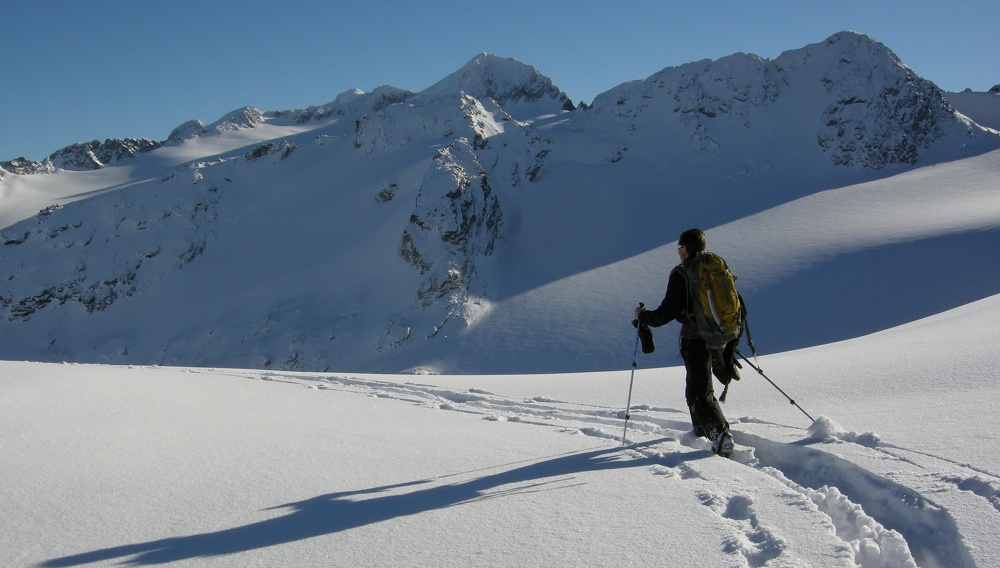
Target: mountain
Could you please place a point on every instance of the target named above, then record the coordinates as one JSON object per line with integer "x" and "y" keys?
{"x": 506, "y": 82}
{"x": 486, "y": 225}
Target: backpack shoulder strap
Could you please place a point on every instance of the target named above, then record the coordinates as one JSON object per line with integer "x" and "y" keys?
{"x": 690, "y": 275}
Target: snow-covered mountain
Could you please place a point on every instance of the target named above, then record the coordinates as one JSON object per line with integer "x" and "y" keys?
{"x": 486, "y": 225}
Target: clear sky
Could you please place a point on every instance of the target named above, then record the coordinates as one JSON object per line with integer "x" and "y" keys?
{"x": 78, "y": 71}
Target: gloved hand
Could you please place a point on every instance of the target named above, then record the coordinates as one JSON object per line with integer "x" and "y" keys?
{"x": 645, "y": 333}
{"x": 640, "y": 309}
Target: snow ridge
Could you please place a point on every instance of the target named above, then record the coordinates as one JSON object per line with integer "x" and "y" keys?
{"x": 870, "y": 109}
{"x": 95, "y": 155}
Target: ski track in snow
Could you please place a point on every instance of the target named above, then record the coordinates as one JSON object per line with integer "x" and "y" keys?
{"x": 899, "y": 517}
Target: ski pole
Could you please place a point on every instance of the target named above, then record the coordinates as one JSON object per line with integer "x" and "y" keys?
{"x": 761, "y": 373}
{"x": 635, "y": 356}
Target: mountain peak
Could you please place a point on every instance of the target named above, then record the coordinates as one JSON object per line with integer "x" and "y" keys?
{"x": 246, "y": 117}
{"x": 851, "y": 49}
{"x": 502, "y": 79}
{"x": 854, "y": 38}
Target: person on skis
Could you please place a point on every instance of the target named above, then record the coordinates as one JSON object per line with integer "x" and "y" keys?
{"x": 706, "y": 413}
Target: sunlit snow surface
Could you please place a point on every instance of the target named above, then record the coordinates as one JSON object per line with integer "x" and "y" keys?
{"x": 107, "y": 465}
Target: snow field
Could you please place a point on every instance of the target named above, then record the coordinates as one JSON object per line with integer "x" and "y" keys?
{"x": 237, "y": 467}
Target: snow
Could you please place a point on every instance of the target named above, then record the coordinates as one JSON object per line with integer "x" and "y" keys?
{"x": 873, "y": 302}
{"x": 110, "y": 465}
{"x": 984, "y": 108}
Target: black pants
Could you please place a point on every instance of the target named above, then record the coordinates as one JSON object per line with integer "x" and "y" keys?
{"x": 706, "y": 413}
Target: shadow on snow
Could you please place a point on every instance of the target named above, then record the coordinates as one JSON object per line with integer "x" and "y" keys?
{"x": 341, "y": 511}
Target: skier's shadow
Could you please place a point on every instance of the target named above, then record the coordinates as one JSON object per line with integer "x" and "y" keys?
{"x": 335, "y": 512}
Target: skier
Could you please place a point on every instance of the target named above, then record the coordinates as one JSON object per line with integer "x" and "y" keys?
{"x": 706, "y": 413}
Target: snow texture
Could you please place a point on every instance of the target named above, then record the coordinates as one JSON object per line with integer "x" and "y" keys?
{"x": 108, "y": 465}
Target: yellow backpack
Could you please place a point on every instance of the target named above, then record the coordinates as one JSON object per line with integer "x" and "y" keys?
{"x": 717, "y": 310}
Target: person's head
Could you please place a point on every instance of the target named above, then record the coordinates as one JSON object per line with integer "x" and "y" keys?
{"x": 691, "y": 241}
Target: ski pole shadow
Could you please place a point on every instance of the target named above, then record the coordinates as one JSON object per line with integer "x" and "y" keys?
{"x": 342, "y": 511}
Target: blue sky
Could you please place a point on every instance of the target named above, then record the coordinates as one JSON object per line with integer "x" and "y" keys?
{"x": 78, "y": 71}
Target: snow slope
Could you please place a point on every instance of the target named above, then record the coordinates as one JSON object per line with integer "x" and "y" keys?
{"x": 107, "y": 466}
{"x": 884, "y": 251}
{"x": 984, "y": 108}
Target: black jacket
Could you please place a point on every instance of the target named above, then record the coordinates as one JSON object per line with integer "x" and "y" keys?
{"x": 675, "y": 303}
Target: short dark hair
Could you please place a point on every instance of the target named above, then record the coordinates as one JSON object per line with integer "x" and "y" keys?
{"x": 693, "y": 240}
